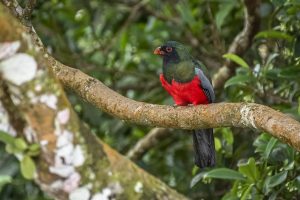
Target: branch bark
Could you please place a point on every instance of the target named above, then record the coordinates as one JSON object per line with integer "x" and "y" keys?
{"x": 240, "y": 43}
{"x": 195, "y": 117}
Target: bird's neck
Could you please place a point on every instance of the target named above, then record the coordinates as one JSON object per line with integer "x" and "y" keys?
{"x": 175, "y": 69}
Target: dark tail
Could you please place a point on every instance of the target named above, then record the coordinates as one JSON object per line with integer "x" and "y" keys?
{"x": 204, "y": 146}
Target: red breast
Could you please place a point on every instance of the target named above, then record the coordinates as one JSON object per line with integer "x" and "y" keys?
{"x": 185, "y": 93}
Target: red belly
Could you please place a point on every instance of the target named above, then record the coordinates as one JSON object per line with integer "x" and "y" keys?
{"x": 185, "y": 93}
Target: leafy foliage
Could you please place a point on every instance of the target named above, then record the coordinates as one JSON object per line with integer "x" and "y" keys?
{"x": 113, "y": 41}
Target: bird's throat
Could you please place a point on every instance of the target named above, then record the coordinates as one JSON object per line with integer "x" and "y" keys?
{"x": 181, "y": 72}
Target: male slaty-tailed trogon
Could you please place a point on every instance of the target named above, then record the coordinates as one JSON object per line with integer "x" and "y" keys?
{"x": 185, "y": 81}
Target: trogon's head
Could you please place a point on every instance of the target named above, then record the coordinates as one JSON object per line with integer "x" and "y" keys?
{"x": 172, "y": 51}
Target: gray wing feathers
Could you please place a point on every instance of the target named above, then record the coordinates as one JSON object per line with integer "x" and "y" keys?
{"x": 206, "y": 85}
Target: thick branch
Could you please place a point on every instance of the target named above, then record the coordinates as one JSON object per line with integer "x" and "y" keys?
{"x": 241, "y": 42}
{"x": 203, "y": 116}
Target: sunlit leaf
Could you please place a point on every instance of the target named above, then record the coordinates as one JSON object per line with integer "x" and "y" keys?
{"x": 246, "y": 191}
{"x": 4, "y": 180}
{"x": 224, "y": 173}
{"x": 6, "y": 138}
{"x": 274, "y": 35}
{"x": 250, "y": 169}
{"x": 27, "y": 167}
{"x": 34, "y": 150}
{"x": 218, "y": 144}
{"x": 20, "y": 144}
{"x": 235, "y": 58}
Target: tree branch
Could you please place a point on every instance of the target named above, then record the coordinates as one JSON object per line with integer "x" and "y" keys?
{"x": 241, "y": 42}
{"x": 23, "y": 14}
{"x": 203, "y": 116}
{"x": 154, "y": 136}
{"x": 30, "y": 4}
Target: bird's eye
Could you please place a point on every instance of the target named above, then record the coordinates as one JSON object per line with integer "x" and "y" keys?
{"x": 169, "y": 49}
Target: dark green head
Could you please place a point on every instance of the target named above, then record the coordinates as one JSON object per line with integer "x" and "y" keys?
{"x": 173, "y": 52}
{"x": 177, "y": 62}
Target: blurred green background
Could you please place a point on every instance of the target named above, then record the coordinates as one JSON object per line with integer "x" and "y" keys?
{"x": 113, "y": 41}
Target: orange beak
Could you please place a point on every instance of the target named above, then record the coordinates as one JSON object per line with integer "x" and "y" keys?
{"x": 157, "y": 51}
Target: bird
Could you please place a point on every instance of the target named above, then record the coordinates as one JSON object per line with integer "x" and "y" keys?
{"x": 184, "y": 79}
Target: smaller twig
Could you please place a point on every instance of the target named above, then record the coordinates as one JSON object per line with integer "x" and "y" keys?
{"x": 23, "y": 14}
{"x": 146, "y": 143}
{"x": 27, "y": 12}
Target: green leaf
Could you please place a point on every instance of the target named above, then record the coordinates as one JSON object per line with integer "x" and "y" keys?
{"x": 34, "y": 147}
{"x": 277, "y": 179}
{"x": 238, "y": 80}
{"x": 196, "y": 179}
{"x": 227, "y": 135}
{"x": 273, "y": 181}
{"x": 4, "y": 180}
{"x": 224, "y": 173}
{"x": 218, "y": 144}
{"x": 6, "y": 138}
{"x": 34, "y": 150}
{"x": 219, "y": 173}
{"x": 290, "y": 73}
{"x": 246, "y": 191}
{"x": 261, "y": 142}
{"x": 290, "y": 166}
{"x": 10, "y": 148}
{"x": 269, "y": 147}
{"x": 195, "y": 170}
{"x": 274, "y": 35}
{"x": 27, "y": 167}
{"x": 250, "y": 170}
{"x": 236, "y": 59}
{"x": 223, "y": 12}
{"x": 20, "y": 144}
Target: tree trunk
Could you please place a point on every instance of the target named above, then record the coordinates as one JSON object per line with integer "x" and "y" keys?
{"x": 73, "y": 163}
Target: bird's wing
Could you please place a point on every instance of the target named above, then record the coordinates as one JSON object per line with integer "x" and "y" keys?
{"x": 205, "y": 82}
